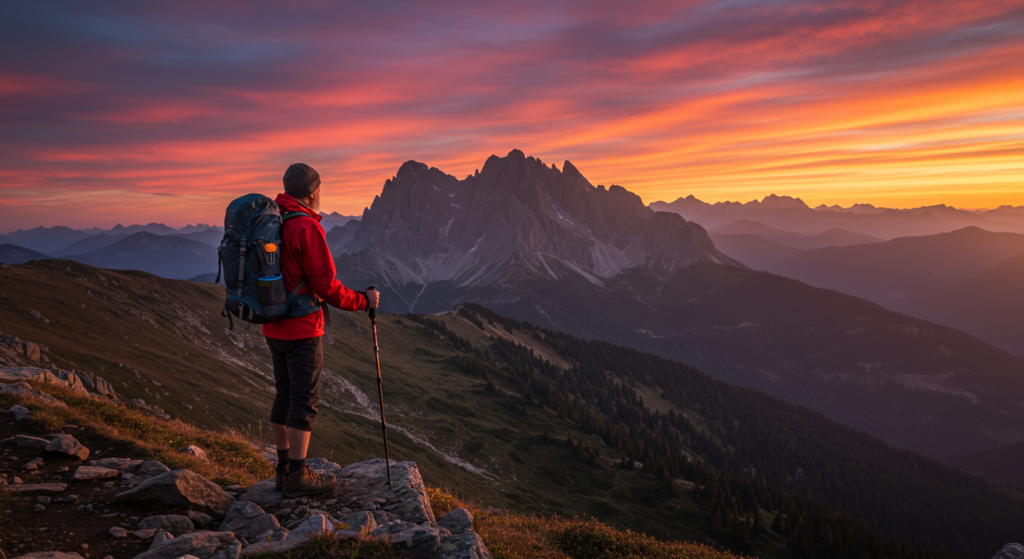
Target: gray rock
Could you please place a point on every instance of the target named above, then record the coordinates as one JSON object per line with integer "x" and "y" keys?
{"x": 19, "y": 412}
{"x": 1010, "y": 551}
{"x": 25, "y": 389}
{"x": 40, "y": 508}
{"x": 118, "y": 532}
{"x": 33, "y": 464}
{"x": 202, "y": 545}
{"x": 272, "y": 548}
{"x": 161, "y": 538}
{"x": 199, "y": 519}
{"x": 120, "y": 464}
{"x": 44, "y": 500}
{"x": 263, "y": 494}
{"x": 145, "y": 534}
{"x": 312, "y": 526}
{"x": 76, "y": 385}
{"x": 66, "y": 446}
{"x": 50, "y": 555}
{"x": 357, "y": 521}
{"x": 364, "y": 482}
{"x": 417, "y": 543}
{"x": 248, "y": 521}
{"x": 89, "y": 473}
{"x": 67, "y": 499}
{"x": 20, "y": 374}
{"x": 25, "y": 441}
{"x": 232, "y": 551}
{"x": 181, "y": 488}
{"x": 19, "y": 489}
{"x": 152, "y": 467}
{"x": 463, "y": 546}
{"x": 391, "y": 528}
{"x": 457, "y": 521}
{"x": 104, "y": 388}
{"x": 193, "y": 450}
{"x": 173, "y": 523}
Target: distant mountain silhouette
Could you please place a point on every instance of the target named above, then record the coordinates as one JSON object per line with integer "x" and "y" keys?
{"x": 889, "y": 272}
{"x": 155, "y": 228}
{"x": 210, "y": 236}
{"x": 754, "y": 251}
{"x": 46, "y": 239}
{"x": 13, "y": 254}
{"x": 989, "y": 305}
{"x": 334, "y": 219}
{"x": 829, "y": 238}
{"x": 791, "y": 214}
{"x": 89, "y": 244}
{"x": 166, "y": 256}
{"x": 545, "y": 246}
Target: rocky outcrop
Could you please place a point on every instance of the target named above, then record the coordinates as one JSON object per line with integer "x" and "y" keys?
{"x": 181, "y": 488}
{"x": 1010, "y": 551}
{"x": 202, "y": 545}
{"x": 66, "y": 446}
{"x": 249, "y": 521}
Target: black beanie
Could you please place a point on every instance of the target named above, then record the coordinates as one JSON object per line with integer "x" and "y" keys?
{"x": 301, "y": 180}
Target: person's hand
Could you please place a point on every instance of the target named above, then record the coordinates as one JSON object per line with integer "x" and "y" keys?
{"x": 372, "y": 298}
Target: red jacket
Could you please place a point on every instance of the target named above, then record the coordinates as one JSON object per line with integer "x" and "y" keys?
{"x": 306, "y": 256}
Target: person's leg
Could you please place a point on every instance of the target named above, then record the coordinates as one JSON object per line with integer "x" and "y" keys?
{"x": 305, "y": 364}
{"x": 282, "y": 401}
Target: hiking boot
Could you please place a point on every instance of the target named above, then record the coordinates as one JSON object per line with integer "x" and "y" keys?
{"x": 306, "y": 482}
{"x": 282, "y": 474}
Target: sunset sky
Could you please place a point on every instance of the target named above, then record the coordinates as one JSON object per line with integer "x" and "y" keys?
{"x": 164, "y": 111}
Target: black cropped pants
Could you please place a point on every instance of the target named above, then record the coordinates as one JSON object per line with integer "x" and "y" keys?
{"x": 297, "y": 368}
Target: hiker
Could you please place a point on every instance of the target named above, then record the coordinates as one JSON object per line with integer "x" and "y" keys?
{"x": 295, "y": 343}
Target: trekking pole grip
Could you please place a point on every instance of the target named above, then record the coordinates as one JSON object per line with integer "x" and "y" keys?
{"x": 371, "y": 312}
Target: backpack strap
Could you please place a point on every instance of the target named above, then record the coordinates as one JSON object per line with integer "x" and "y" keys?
{"x": 241, "y": 266}
{"x": 220, "y": 254}
{"x": 286, "y": 216}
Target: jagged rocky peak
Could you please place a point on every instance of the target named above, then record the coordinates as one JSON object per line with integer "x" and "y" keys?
{"x": 517, "y": 212}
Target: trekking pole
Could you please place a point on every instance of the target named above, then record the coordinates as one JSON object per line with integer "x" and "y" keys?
{"x": 380, "y": 389}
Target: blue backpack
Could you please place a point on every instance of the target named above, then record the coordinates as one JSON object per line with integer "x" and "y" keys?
{"x": 250, "y": 255}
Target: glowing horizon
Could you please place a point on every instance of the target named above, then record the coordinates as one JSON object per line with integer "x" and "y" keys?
{"x": 130, "y": 113}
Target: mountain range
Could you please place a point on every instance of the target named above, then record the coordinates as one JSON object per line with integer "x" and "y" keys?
{"x": 792, "y": 214}
{"x": 989, "y": 305}
{"x": 889, "y": 272}
{"x": 543, "y": 245}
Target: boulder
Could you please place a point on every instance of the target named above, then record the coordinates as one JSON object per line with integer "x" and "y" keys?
{"x": 25, "y": 441}
{"x": 76, "y": 385}
{"x": 366, "y": 483}
{"x": 199, "y": 519}
{"x": 35, "y": 488}
{"x": 202, "y": 545}
{"x": 66, "y": 446}
{"x": 173, "y": 523}
{"x": 50, "y": 555}
{"x": 181, "y": 488}
{"x": 1010, "y": 551}
{"x": 263, "y": 494}
{"x": 231, "y": 551}
{"x": 25, "y": 389}
{"x": 89, "y": 473}
{"x": 312, "y": 526}
{"x": 248, "y": 521}
{"x": 118, "y": 532}
{"x": 273, "y": 548}
{"x": 357, "y": 521}
{"x": 19, "y": 412}
{"x": 19, "y": 374}
{"x": 161, "y": 538}
{"x": 464, "y": 546}
{"x": 152, "y": 467}
{"x": 457, "y": 521}
{"x": 417, "y": 543}
{"x": 193, "y": 450}
{"x": 119, "y": 464}
{"x": 104, "y": 388}
{"x": 33, "y": 464}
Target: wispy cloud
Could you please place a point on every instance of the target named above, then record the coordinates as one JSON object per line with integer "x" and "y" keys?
{"x": 897, "y": 103}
